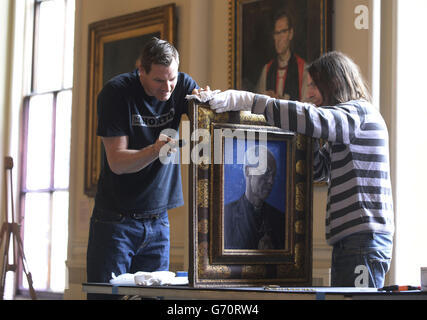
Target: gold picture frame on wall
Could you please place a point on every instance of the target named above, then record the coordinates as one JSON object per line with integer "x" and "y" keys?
{"x": 114, "y": 46}
{"x": 215, "y": 185}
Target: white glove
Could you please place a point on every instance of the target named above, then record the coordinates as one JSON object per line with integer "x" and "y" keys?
{"x": 232, "y": 100}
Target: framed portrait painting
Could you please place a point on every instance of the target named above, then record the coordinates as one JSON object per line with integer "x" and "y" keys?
{"x": 254, "y": 180}
{"x": 271, "y": 42}
{"x": 250, "y": 202}
{"x": 114, "y": 47}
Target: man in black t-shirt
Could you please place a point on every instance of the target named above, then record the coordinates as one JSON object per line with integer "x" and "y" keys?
{"x": 129, "y": 228}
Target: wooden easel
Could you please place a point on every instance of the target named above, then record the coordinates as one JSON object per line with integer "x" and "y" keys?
{"x": 11, "y": 232}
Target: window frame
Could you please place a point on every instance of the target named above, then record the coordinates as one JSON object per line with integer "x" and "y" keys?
{"x": 23, "y": 190}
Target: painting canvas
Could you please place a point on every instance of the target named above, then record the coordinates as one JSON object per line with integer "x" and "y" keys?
{"x": 255, "y": 202}
{"x": 252, "y": 224}
{"x": 272, "y": 41}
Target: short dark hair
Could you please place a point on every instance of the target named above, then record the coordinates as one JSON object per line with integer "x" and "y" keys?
{"x": 158, "y": 51}
{"x": 338, "y": 79}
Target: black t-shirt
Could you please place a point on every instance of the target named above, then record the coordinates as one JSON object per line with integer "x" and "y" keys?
{"x": 124, "y": 109}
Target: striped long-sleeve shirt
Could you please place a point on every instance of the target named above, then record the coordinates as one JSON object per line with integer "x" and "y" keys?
{"x": 354, "y": 161}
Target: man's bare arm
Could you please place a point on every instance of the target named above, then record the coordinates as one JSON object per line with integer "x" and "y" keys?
{"x": 123, "y": 160}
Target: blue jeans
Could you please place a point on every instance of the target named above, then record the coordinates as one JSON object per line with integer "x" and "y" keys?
{"x": 124, "y": 244}
{"x": 361, "y": 260}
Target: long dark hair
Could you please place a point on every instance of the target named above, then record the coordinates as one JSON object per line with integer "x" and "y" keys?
{"x": 338, "y": 79}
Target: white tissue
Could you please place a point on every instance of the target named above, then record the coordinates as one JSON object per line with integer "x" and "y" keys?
{"x": 203, "y": 96}
{"x": 141, "y": 278}
{"x": 123, "y": 279}
{"x": 157, "y": 278}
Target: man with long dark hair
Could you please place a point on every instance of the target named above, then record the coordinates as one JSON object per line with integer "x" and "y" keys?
{"x": 354, "y": 162}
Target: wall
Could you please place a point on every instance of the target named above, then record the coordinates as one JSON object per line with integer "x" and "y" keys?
{"x": 354, "y": 42}
{"x": 202, "y": 42}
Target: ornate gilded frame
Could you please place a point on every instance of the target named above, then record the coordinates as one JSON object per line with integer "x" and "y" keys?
{"x": 126, "y": 32}
{"x": 209, "y": 266}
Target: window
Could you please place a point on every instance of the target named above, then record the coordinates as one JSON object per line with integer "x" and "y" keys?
{"x": 411, "y": 142}
{"x": 45, "y": 146}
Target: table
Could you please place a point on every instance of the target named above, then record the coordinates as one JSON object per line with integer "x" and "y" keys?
{"x": 253, "y": 293}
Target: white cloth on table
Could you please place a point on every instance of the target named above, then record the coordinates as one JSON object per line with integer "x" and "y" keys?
{"x": 141, "y": 278}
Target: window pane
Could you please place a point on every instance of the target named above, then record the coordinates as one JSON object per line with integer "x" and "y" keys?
{"x": 50, "y": 46}
{"x": 411, "y": 210}
{"x": 59, "y": 240}
{"x": 39, "y": 148}
{"x": 62, "y": 139}
{"x": 37, "y": 238}
{"x": 69, "y": 45}
{"x": 45, "y": 214}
